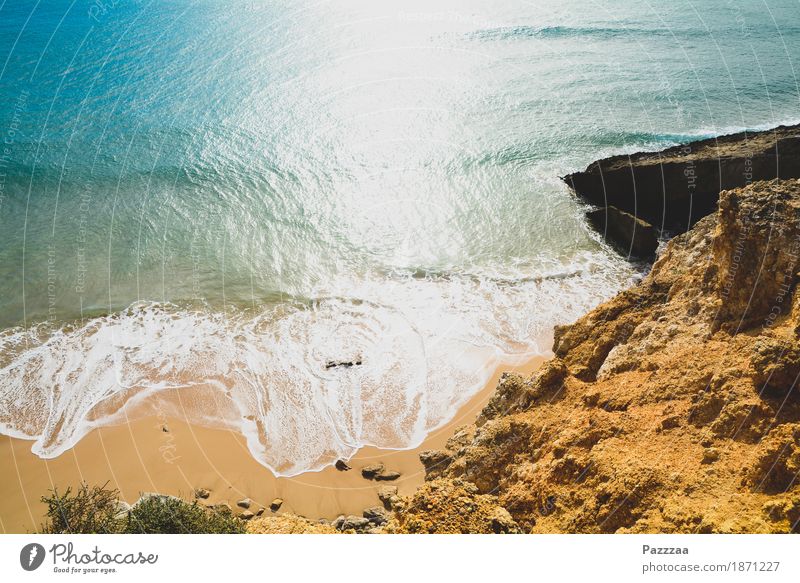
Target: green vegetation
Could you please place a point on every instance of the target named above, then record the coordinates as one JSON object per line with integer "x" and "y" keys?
{"x": 97, "y": 510}
{"x": 172, "y": 515}
{"x": 89, "y": 510}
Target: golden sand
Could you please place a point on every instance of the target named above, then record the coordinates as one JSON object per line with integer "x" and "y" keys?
{"x": 140, "y": 456}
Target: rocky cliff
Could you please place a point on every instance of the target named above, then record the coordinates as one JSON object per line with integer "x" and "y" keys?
{"x": 645, "y": 195}
{"x": 671, "y": 408}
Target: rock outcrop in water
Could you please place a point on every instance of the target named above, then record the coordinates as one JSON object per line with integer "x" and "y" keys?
{"x": 673, "y": 407}
{"x": 639, "y": 195}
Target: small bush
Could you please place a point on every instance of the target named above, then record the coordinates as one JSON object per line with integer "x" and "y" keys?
{"x": 163, "y": 515}
{"x": 87, "y": 511}
{"x": 96, "y": 510}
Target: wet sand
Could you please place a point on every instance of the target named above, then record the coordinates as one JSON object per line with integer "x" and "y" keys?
{"x": 141, "y": 457}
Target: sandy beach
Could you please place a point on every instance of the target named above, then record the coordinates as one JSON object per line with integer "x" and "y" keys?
{"x": 141, "y": 456}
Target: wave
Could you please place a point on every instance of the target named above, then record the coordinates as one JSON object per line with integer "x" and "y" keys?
{"x": 306, "y": 384}
{"x": 555, "y": 32}
{"x": 618, "y": 32}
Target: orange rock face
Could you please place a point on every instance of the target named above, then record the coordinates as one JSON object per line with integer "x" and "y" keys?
{"x": 673, "y": 407}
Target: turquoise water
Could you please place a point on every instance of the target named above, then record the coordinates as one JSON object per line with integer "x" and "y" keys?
{"x": 218, "y": 200}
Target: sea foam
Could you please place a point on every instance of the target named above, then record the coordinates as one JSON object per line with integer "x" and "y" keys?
{"x": 307, "y": 382}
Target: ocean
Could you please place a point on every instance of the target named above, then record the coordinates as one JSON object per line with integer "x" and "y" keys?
{"x": 325, "y": 224}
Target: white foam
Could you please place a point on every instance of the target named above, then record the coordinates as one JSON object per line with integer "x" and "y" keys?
{"x": 288, "y": 377}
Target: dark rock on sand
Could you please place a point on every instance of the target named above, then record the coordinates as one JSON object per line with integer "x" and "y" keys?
{"x": 244, "y": 503}
{"x": 372, "y": 470}
{"x": 343, "y": 364}
{"x": 276, "y": 504}
{"x": 387, "y": 476}
{"x": 379, "y": 472}
{"x": 341, "y": 465}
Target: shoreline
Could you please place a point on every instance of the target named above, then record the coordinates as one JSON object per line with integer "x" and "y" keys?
{"x": 140, "y": 456}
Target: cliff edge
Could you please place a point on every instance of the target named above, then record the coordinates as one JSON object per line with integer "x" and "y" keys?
{"x": 671, "y": 408}
{"x": 648, "y": 195}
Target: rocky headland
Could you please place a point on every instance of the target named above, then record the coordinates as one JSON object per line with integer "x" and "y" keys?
{"x": 640, "y": 198}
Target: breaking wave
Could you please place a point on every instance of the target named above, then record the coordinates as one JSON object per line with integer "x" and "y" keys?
{"x": 306, "y": 383}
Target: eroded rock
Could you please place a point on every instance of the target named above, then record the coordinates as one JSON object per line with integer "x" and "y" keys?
{"x": 451, "y": 506}
{"x": 631, "y": 235}
{"x": 670, "y": 408}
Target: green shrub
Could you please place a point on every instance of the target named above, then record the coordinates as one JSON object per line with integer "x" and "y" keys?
{"x": 88, "y": 511}
{"x": 96, "y": 510}
{"x": 165, "y": 515}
